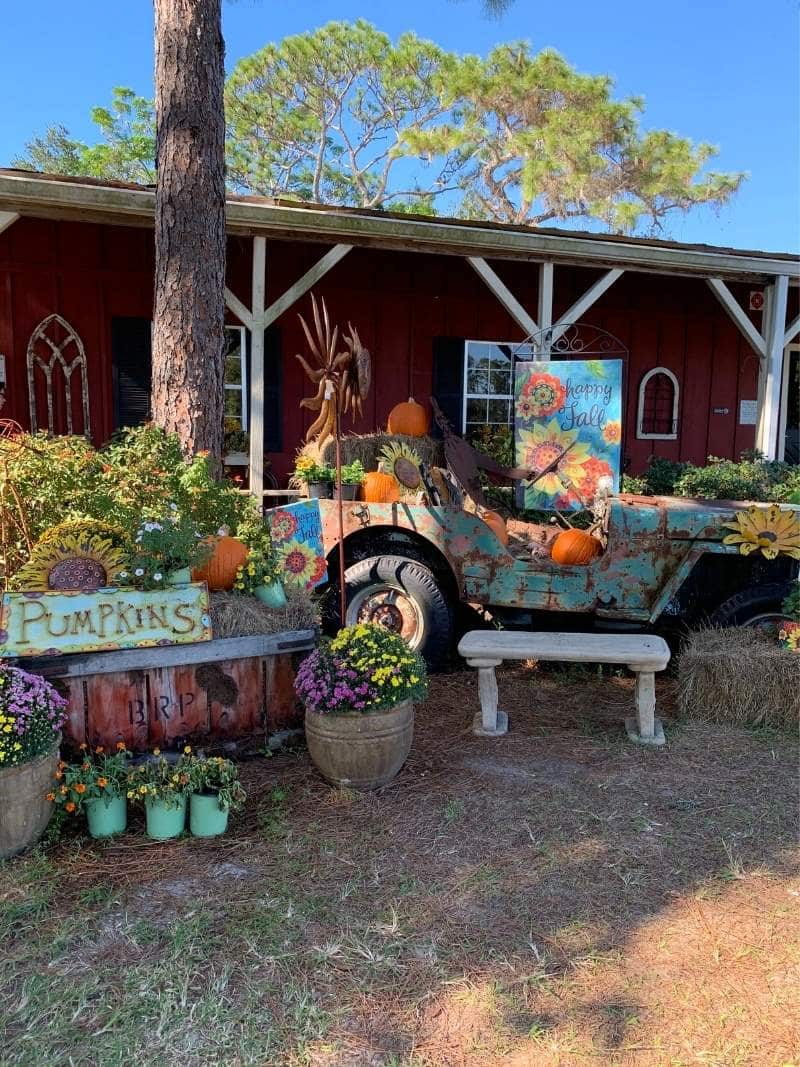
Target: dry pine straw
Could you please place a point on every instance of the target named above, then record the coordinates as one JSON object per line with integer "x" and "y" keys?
{"x": 557, "y": 896}
{"x": 234, "y": 615}
{"x": 739, "y": 676}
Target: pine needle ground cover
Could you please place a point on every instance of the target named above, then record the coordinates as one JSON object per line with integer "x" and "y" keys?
{"x": 554, "y": 897}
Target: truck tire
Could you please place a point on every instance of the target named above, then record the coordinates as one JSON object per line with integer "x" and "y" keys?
{"x": 404, "y": 596}
{"x": 758, "y": 606}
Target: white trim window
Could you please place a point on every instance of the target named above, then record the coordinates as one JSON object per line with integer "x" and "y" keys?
{"x": 235, "y": 378}
{"x": 657, "y": 413}
{"x": 488, "y": 383}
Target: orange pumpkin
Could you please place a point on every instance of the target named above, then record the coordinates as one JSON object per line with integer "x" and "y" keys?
{"x": 380, "y": 488}
{"x": 497, "y": 524}
{"x": 574, "y": 546}
{"x": 219, "y": 571}
{"x": 409, "y": 418}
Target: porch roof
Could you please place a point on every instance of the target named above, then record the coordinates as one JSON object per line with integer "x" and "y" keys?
{"x": 91, "y": 200}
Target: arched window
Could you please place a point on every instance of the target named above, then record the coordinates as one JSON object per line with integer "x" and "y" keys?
{"x": 658, "y": 405}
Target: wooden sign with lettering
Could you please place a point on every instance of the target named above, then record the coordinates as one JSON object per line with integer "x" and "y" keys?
{"x": 46, "y": 624}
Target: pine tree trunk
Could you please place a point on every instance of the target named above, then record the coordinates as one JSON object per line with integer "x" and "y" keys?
{"x": 187, "y": 385}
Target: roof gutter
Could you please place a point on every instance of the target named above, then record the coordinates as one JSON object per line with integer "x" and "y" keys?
{"x": 69, "y": 200}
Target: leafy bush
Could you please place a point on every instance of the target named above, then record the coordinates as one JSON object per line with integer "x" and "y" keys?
{"x": 752, "y": 478}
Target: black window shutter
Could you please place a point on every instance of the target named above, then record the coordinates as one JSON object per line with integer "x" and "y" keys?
{"x": 273, "y": 378}
{"x": 448, "y": 380}
{"x": 131, "y": 359}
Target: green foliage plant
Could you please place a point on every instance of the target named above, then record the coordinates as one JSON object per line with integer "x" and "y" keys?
{"x": 353, "y": 473}
{"x": 97, "y": 775}
{"x": 159, "y": 779}
{"x": 215, "y": 775}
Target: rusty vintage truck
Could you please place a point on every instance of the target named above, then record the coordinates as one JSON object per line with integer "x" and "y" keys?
{"x": 664, "y": 567}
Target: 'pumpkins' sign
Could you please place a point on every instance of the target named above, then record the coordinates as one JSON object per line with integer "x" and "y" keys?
{"x": 572, "y": 407}
{"x": 44, "y": 624}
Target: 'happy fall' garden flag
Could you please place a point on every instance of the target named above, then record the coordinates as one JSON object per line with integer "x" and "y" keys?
{"x": 575, "y": 404}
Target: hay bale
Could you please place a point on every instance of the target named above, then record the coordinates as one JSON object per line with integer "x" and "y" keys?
{"x": 739, "y": 676}
{"x": 367, "y": 447}
{"x": 233, "y": 615}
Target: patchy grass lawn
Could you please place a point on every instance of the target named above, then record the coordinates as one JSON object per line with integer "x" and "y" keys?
{"x": 557, "y": 896}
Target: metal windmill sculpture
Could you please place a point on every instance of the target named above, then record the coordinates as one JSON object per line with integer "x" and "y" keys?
{"x": 342, "y": 379}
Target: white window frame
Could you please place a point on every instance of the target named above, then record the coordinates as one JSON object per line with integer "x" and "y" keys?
{"x": 465, "y": 396}
{"x": 787, "y": 360}
{"x": 240, "y": 386}
{"x": 641, "y": 436}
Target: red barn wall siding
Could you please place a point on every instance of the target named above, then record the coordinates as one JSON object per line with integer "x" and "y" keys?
{"x": 399, "y": 302}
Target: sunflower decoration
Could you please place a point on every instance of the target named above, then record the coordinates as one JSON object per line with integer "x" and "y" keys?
{"x": 301, "y": 565}
{"x": 73, "y": 562}
{"x": 404, "y": 462}
{"x": 772, "y": 531}
{"x": 85, "y": 528}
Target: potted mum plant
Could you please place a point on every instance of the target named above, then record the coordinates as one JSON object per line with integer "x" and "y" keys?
{"x": 163, "y": 787}
{"x": 359, "y": 692}
{"x": 31, "y": 717}
{"x": 318, "y": 477}
{"x": 216, "y": 791}
{"x": 352, "y": 477}
{"x": 97, "y": 786}
{"x": 259, "y": 575}
{"x": 789, "y": 632}
{"x": 165, "y": 550}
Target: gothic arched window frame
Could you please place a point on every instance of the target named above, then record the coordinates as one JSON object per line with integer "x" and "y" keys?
{"x": 641, "y": 433}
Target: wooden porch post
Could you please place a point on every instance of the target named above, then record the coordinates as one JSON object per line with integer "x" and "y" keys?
{"x": 256, "y": 383}
{"x": 770, "y": 391}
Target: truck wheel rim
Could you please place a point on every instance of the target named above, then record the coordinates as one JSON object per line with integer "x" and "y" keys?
{"x": 768, "y": 621}
{"x": 391, "y": 607}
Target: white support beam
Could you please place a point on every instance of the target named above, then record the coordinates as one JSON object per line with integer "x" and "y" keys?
{"x": 792, "y": 330}
{"x": 770, "y": 408}
{"x": 257, "y": 369}
{"x": 504, "y": 295}
{"x": 308, "y": 281}
{"x": 7, "y": 218}
{"x": 583, "y": 303}
{"x": 545, "y": 309}
{"x": 737, "y": 315}
{"x": 237, "y": 307}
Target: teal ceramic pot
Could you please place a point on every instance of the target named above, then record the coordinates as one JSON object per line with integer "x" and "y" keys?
{"x": 272, "y": 595}
{"x": 180, "y": 577}
{"x": 106, "y": 816}
{"x": 163, "y": 821}
{"x": 206, "y": 817}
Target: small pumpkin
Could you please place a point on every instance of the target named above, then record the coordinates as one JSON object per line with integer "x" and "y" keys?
{"x": 409, "y": 418}
{"x": 574, "y": 547}
{"x": 497, "y": 525}
{"x": 219, "y": 570}
{"x": 379, "y": 487}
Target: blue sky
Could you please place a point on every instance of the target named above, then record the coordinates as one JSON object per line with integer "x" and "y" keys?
{"x": 724, "y": 71}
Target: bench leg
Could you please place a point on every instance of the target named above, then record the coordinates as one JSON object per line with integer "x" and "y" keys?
{"x": 489, "y": 722}
{"x": 645, "y": 729}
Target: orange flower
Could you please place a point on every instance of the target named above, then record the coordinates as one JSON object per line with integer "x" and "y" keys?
{"x": 80, "y": 788}
{"x": 70, "y": 806}
{"x": 83, "y": 746}
{"x": 99, "y": 749}
{"x": 63, "y": 790}
{"x": 102, "y": 782}
{"x": 61, "y": 765}
{"x": 86, "y": 766}
{"x": 120, "y": 746}
{"x": 184, "y": 779}
{"x": 59, "y": 774}
{"x": 51, "y": 796}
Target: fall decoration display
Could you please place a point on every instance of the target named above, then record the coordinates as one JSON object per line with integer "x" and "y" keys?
{"x": 380, "y": 488}
{"x": 772, "y": 531}
{"x": 574, "y": 547}
{"x": 497, "y": 525}
{"x": 404, "y": 463}
{"x": 342, "y": 378}
{"x": 219, "y": 571}
{"x": 409, "y": 418}
{"x": 73, "y": 562}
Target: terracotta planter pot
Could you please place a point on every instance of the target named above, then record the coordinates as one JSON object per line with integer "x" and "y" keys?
{"x": 361, "y": 751}
{"x": 24, "y": 811}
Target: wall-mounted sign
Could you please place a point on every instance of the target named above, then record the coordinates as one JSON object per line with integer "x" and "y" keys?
{"x": 757, "y": 300}
{"x": 44, "y": 624}
{"x": 720, "y": 411}
{"x": 748, "y": 412}
{"x": 572, "y": 407}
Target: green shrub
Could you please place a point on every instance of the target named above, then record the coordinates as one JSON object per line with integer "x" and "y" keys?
{"x": 751, "y": 479}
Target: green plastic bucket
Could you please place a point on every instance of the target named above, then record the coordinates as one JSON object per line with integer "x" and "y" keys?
{"x": 179, "y": 577}
{"x": 206, "y": 817}
{"x": 272, "y": 595}
{"x": 106, "y": 816}
{"x": 164, "y": 822}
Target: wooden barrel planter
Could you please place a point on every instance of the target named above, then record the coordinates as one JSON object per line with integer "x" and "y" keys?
{"x": 223, "y": 689}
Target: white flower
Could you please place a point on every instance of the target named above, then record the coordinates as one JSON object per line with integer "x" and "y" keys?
{"x": 122, "y": 574}
{"x": 222, "y": 531}
{"x": 157, "y": 576}
{"x": 138, "y": 572}
{"x": 173, "y": 507}
{"x": 138, "y": 538}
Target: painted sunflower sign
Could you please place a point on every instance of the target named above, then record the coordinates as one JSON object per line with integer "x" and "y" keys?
{"x": 296, "y": 532}
{"x": 572, "y": 407}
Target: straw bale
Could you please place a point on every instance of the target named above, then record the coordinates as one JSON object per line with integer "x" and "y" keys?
{"x": 739, "y": 676}
{"x": 233, "y": 615}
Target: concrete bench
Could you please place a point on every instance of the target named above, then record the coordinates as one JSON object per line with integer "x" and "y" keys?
{"x": 486, "y": 649}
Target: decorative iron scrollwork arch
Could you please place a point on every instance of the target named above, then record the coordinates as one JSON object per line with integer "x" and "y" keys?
{"x": 574, "y": 340}
{"x": 70, "y": 355}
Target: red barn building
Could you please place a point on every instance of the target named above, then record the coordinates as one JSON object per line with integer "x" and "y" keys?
{"x": 710, "y": 333}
